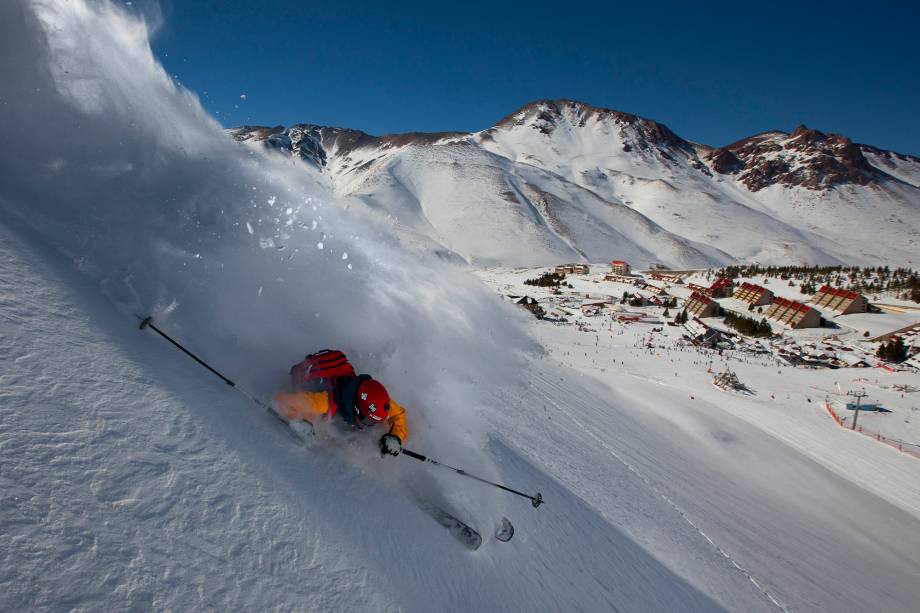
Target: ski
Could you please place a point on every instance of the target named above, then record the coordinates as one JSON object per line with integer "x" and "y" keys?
{"x": 461, "y": 531}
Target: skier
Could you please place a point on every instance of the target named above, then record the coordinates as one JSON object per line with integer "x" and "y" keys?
{"x": 325, "y": 385}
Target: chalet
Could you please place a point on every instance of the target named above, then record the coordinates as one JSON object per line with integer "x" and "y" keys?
{"x": 840, "y": 301}
{"x": 721, "y": 288}
{"x": 572, "y": 269}
{"x": 702, "y": 335}
{"x": 595, "y": 308}
{"x": 908, "y": 333}
{"x": 793, "y": 314}
{"x": 701, "y": 305}
{"x": 635, "y": 299}
{"x": 755, "y": 295}
{"x": 628, "y": 279}
{"x": 531, "y": 305}
{"x": 848, "y": 360}
{"x": 619, "y": 267}
{"x": 670, "y": 277}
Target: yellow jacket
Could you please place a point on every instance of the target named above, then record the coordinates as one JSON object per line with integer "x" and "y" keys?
{"x": 309, "y": 405}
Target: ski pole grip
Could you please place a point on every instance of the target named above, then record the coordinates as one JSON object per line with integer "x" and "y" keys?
{"x": 414, "y": 455}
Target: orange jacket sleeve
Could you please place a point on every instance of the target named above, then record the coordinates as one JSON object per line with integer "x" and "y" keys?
{"x": 303, "y": 405}
{"x": 310, "y": 405}
{"x": 397, "y": 419}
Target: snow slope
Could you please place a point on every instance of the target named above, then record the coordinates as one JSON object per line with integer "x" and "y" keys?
{"x": 133, "y": 479}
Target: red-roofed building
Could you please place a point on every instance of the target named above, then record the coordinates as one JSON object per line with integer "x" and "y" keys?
{"x": 671, "y": 277}
{"x": 756, "y": 295}
{"x": 721, "y": 288}
{"x": 793, "y": 314}
{"x": 619, "y": 267}
{"x": 701, "y": 305}
{"x": 840, "y": 301}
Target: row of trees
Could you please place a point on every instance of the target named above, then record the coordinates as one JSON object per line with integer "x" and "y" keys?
{"x": 893, "y": 351}
{"x": 747, "y": 325}
{"x": 548, "y": 279}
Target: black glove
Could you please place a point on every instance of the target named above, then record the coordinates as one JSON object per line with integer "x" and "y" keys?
{"x": 390, "y": 444}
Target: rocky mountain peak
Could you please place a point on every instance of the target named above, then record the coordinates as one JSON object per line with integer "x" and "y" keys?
{"x": 316, "y": 144}
{"x": 807, "y": 157}
{"x": 546, "y": 116}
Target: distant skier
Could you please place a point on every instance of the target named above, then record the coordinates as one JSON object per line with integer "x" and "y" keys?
{"x": 325, "y": 385}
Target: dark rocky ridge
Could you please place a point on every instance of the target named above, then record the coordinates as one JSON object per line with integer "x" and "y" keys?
{"x": 314, "y": 143}
{"x": 807, "y": 158}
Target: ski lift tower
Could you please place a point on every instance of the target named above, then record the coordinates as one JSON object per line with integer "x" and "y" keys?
{"x": 859, "y": 395}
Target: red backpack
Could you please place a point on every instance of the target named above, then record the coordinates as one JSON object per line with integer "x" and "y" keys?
{"x": 327, "y": 370}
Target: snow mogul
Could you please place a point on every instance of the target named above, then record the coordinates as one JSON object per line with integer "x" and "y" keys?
{"x": 326, "y": 386}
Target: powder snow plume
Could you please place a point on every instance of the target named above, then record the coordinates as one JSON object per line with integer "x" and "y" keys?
{"x": 117, "y": 167}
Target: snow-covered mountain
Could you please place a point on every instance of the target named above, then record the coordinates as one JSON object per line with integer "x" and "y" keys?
{"x": 569, "y": 181}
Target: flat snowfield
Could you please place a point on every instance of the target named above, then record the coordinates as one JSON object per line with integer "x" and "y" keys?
{"x": 132, "y": 479}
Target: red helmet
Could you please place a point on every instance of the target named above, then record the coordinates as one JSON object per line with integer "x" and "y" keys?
{"x": 372, "y": 401}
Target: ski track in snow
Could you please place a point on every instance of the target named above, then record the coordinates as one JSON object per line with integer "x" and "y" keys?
{"x": 758, "y": 497}
{"x": 673, "y": 505}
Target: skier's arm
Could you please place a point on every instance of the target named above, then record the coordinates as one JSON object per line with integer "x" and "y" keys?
{"x": 397, "y": 419}
{"x": 303, "y": 405}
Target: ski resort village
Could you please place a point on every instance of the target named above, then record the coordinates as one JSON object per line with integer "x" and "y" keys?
{"x": 792, "y": 344}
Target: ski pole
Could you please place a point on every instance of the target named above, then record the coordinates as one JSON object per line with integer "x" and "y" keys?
{"x": 147, "y": 322}
{"x": 536, "y": 501}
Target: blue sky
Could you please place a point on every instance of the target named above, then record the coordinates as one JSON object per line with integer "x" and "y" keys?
{"x": 713, "y": 73}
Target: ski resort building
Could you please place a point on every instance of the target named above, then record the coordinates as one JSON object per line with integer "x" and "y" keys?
{"x": 595, "y": 308}
{"x": 627, "y": 279}
{"x": 840, "y": 301}
{"x": 721, "y": 288}
{"x": 619, "y": 267}
{"x": 670, "y": 277}
{"x": 702, "y": 335}
{"x": 793, "y": 314}
{"x": 572, "y": 269}
{"x": 755, "y": 295}
{"x": 701, "y": 305}
{"x": 531, "y": 305}
{"x": 909, "y": 334}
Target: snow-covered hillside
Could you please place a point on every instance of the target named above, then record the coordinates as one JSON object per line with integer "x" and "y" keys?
{"x": 133, "y": 479}
{"x": 573, "y": 182}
